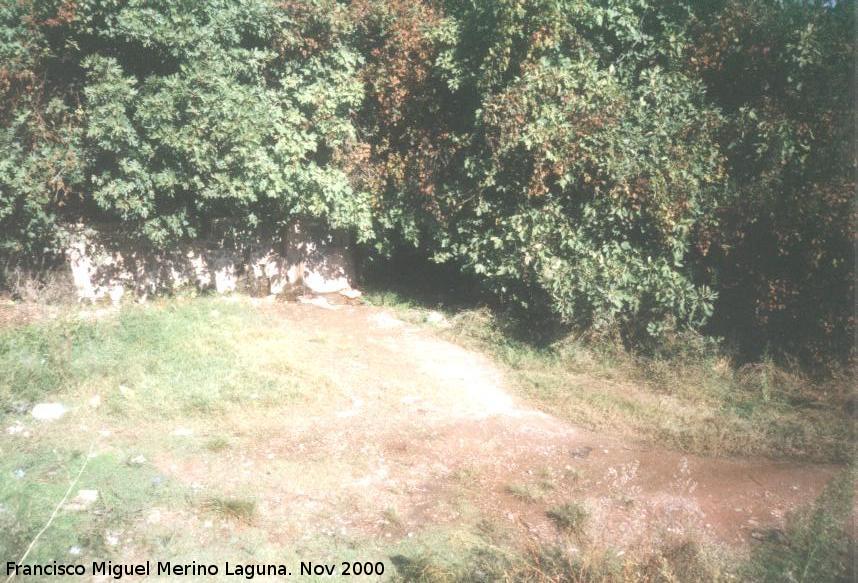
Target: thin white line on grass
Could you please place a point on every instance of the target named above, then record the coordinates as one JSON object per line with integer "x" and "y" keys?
{"x": 57, "y": 509}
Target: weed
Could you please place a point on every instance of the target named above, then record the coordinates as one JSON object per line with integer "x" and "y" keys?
{"x": 815, "y": 546}
{"x": 570, "y": 517}
{"x": 239, "y": 509}
{"x": 217, "y": 444}
{"x": 526, "y": 492}
{"x": 392, "y": 517}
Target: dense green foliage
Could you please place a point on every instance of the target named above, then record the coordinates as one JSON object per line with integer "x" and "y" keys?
{"x": 188, "y": 113}
{"x": 630, "y": 165}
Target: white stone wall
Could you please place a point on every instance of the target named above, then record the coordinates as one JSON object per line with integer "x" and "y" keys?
{"x": 303, "y": 259}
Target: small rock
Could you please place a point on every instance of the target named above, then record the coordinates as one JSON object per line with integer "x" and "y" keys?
{"x": 111, "y": 539}
{"x": 437, "y": 318}
{"x": 351, "y": 294}
{"x": 582, "y": 452}
{"x": 19, "y": 473}
{"x": 137, "y": 460}
{"x": 83, "y": 500}
{"x": 183, "y": 432}
{"x": 319, "y": 302}
{"x": 48, "y": 411}
{"x": 95, "y": 401}
{"x": 74, "y": 551}
{"x": 15, "y": 429}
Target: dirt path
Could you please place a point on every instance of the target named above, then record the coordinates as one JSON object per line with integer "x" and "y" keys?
{"x": 421, "y": 433}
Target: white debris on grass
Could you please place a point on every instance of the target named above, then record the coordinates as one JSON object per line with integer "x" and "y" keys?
{"x": 48, "y": 411}
{"x": 137, "y": 460}
{"x": 183, "y": 432}
{"x": 95, "y": 401}
{"x": 15, "y": 429}
{"x": 83, "y": 500}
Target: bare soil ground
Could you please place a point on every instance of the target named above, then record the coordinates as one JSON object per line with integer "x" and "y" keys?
{"x": 363, "y": 437}
{"x": 423, "y": 433}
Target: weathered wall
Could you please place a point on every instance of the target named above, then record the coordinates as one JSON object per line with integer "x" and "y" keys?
{"x": 303, "y": 258}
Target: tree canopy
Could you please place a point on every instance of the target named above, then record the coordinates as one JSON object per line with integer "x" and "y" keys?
{"x": 634, "y": 165}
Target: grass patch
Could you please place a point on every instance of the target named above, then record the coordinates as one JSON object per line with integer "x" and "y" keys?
{"x": 34, "y": 481}
{"x": 176, "y": 357}
{"x": 217, "y": 444}
{"x": 815, "y": 547}
{"x": 683, "y": 560}
{"x": 238, "y": 509}
{"x": 528, "y": 492}
{"x": 570, "y": 517}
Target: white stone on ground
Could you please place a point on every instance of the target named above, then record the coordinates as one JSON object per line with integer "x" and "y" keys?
{"x": 385, "y": 320}
{"x": 48, "y": 411}
{"x": 437, "y": 318}
{"x": 319, "y": 302}
{"x": 83, "y": 500}
{"x": 350, "y": 293}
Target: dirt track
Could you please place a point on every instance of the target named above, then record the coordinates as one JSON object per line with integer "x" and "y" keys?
{"x": 425, "y": 433}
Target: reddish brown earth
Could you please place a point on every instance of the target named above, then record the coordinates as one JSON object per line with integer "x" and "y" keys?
{"x": 422, "y": 433}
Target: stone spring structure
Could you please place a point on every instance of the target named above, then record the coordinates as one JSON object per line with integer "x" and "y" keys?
{"x": 304, "y": 259}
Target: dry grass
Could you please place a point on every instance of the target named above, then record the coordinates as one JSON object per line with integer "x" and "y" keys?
{"x": 694, "y": 400}
{"x": 240, "y": 509}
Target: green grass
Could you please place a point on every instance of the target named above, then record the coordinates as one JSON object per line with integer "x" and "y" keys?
{"x": 180, "y": 357}
{"x": 815, "y": 546}
{"x": 570, "y": 517}
{"x": 33, "y": 482}
{"x": 180, "y": 362}
{"x": 689, "y": 396}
